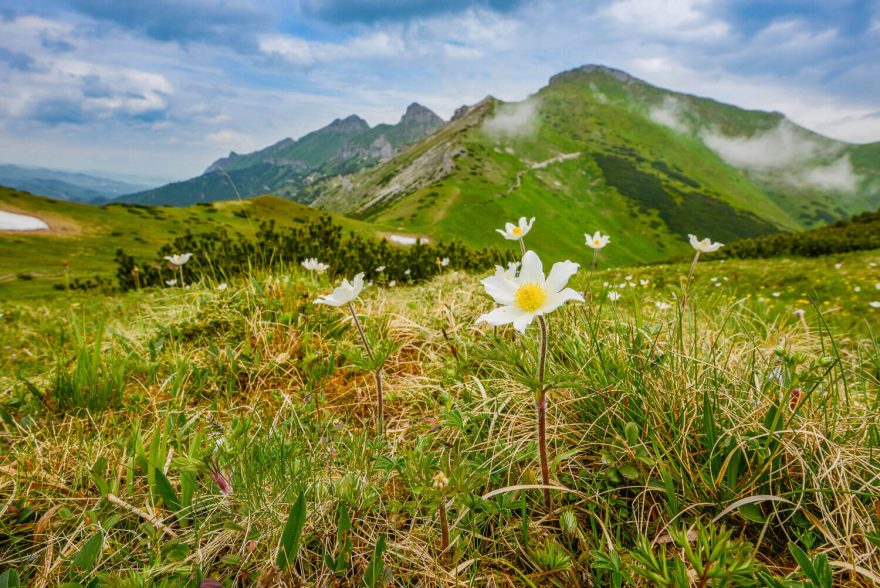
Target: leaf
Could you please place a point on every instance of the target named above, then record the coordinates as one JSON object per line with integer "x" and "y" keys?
{"x": 631, "y": 432}
{"x": 289, "y": 544}
{"x": 376, "y": 569}
{"x": 89, "y": 552}
{"x": 804, "y": 562}
{"x": 9, "y": 579}
{"x": 751, "y": 512}
{"x": 629, "y": 471}
{"x": 162, "y": 489}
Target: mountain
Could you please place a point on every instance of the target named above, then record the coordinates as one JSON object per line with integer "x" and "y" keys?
{"x": 598, "y": 149}
{"x": 289, "y": 166}
{"x": 64, "y": 185}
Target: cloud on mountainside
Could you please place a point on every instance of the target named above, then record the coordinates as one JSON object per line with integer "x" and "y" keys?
{"x": 518, "y": 119}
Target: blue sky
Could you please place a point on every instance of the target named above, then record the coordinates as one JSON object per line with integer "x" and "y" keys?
{"x": 159, "y": 89}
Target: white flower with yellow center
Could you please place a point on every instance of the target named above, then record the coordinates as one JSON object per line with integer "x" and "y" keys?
{"x": 344, "y": 293}
{"x": 704, "y": 245}
{"x": 178, "y": 260}
{"x": 515, "y": 232}
{"x": 597, "y": 240}
{"x": 614, "y": 296}
{"x": 529, "y": 294}
{"x": 313, "y": 265}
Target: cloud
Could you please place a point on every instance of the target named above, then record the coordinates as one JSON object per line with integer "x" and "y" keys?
{"x": 233, "y": 22}
{"x": 373, "y": 11}
{"x": 514, "y": 120}
{"x": 791, "y": 154}
{"x": 670, "y": 113}
{"x": 299, "y": 51}
{"x": 231, "y": 139}
{"x": 17, "y": 61}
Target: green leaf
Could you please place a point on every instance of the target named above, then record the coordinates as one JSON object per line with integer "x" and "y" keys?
{"x": 751, "y": 512}
{"x": 629, "y": 471}
{"x": 9, "y": 579}
{"x": 289, "y": 545}
{"x": 631, "y": 432}
{"x": 804, "y": 562}
{"x": 89, "y": 552}
{"x": 376, "y": 569}
{"x": 162, "y": 489}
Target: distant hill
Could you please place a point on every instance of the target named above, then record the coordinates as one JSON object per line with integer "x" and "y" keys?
{"x": 288, "y": 166}
{"x": 64, "y": 185}
{"x": 598, "y": 149}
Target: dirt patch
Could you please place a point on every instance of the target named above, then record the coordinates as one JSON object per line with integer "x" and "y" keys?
{"x": 59, "y": 226}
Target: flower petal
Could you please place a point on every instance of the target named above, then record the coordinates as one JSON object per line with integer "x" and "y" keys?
{"x": 499, "y": 287}
{"x": 532, "y": 270}
{"x": 500, "y": 316}
{"x": 557, "y": 299}
{"x": 522, "y": 321}
{"x": 559, "y": 275}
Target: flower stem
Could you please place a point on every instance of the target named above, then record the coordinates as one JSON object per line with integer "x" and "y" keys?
{"x": 180, "y": 268}
{"x": 541, "y": 406}
{"x": 687, "y": 285}
{"x": 444, "y": 527}
{"x": 589, "y": 293}
{"x": 522, "y": 246}
{"x": 380, "y": 416}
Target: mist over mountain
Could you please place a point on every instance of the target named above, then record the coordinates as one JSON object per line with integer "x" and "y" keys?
{"x": 64, "y": 185}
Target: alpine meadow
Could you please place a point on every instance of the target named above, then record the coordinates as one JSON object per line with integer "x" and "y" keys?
{"x": 597, "y": 333}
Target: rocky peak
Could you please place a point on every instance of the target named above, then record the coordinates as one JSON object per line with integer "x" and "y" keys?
{"x": 350, "y": 124}
{"x": 416, "y": 114}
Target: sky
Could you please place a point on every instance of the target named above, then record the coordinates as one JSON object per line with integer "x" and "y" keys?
{"x": 157, "y": 90}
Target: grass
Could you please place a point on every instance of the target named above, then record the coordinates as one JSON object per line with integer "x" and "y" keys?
{"x": 83, "y": 239}
{"x": 731, "y": 437}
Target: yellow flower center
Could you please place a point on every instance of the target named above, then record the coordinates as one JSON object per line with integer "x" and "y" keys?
{"x": 516, "y": 230}
{"x": 597, "y": 242}
{"x": 530, "y": 296}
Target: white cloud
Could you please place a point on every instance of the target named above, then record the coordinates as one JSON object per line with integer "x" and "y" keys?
{"x": 232, "y": 140}
{"x": 514, "y": 120}
{"x": 303, "y": 52}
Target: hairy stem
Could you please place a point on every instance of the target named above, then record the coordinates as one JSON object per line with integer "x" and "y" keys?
{"x": 687, "y": 285}
{"x": 444, "y": 527}
{"x": 588, "y": 294}
{"x": 541, "y": 406}
{"x": 380, "y": 408}
{"x": 522, "y": 246}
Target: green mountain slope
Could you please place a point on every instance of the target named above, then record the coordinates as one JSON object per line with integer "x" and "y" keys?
{"x": 287, "y": 167}
{"x": 597, "y": 149}
{"x": 86, "y": 237}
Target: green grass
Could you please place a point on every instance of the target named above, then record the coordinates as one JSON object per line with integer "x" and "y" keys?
{"x": 86, "y": 238}
{"x": 732, "y": 433}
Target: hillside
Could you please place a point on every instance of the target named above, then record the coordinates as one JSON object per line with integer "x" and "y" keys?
{"x": 285, "y": 168}
{"x": 86, "y": 238}
{"x": 64, "y": 185}
{"x": 597, "y": 149}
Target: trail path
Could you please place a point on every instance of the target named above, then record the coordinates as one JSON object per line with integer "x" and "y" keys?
{"x": 541, "y": 165}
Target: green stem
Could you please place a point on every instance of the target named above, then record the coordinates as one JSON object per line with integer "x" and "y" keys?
{"x": 541, "y": 407}
{"x": 380, "y": 416}
{"x": 687, "y": 285}
{"x": 522, "y": 246}
{"x": 589, "y": 293}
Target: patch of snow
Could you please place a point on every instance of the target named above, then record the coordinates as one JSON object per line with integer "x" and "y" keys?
{"x": 404, "y": 240}
{"x": 19, "y": 222}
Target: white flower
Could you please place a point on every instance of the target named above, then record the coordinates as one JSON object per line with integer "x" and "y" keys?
{"x": 440, "y": 481}
{"x": 662, "y": 305}
{"x": 170, "y": 282}
{"x": 644, "y": 283}
{"x": 877, "y": 286}
{"x": 392, "y": 283}
{"x": 799, "y": 312}
{"x": 857, "y": 289}
{"x": 597, "y": 240}
{"x": 628, "y": 278}
{"x": 380, "y": 269}
{"x": 344, "y": 293}
{"x": 513, "y": 232}
{"x": 179, "y": 260}
{"x": 713, "y": 279}
{"x": 313, "y": 265}
{"x": 838, "y": 265}
{"x": 776, "y": 294}
{"x": 444, "y": 262}
{"x": 408, "y": 272}
{"x": 705, "y": 245}
{"x": 529, "y": 294}
{"x": 512, "y": 266}
{"x": 874, "y": 304}
{"x": 614, "y": 296}
{"x": 222, "y": 286}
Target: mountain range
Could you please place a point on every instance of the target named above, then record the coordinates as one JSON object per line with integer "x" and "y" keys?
{"x": 594, "y": 149}
{"x": 64, "y": 185}
{"x": 289, "y": 166}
